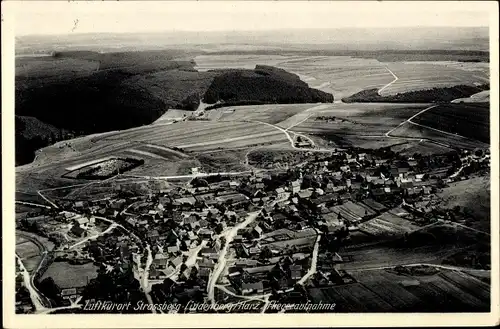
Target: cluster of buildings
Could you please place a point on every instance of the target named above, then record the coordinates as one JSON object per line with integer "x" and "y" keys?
{"x": 329, "y": 196}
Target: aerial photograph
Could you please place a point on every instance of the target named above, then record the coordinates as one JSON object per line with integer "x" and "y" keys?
{"x": 251, "y": 161}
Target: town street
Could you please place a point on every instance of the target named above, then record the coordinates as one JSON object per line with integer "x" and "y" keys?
{"x": 221, "y": 262}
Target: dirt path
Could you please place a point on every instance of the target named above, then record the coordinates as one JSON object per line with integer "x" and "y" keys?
{"x": 390, "y": 83}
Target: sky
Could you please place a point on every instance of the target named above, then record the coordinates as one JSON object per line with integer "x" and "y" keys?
{"x": 63, "y": 17}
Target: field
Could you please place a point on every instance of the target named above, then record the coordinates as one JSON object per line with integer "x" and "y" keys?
{"x": 383, "y": 291}
{"x": 426, "y": 75}
{"x": 351, "y": 119}
{"x": 266, "y": 113}
{"x": 66, "y": 275}
{"x": 480, "y": 97}
{"x": 469, "y": 120}
{"x": 387, "y": 224}
{"x": 473, "y": 194}
{"x": 158, "y": 145}
{"x": 343, "y": 76}
{"x": 104, "y": 169}
{"x": 29, "y": 247}
{"x": 431, "y": 244}
{"x": 352, "y": 211}
{"x": 443, "y": 139}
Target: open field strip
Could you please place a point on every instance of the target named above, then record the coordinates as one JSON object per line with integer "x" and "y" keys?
{"x": 180, "y": 154}
{"x": 88, "y": 163}
{"x": 145, "y": 153}
{"x": 226, "y": 140}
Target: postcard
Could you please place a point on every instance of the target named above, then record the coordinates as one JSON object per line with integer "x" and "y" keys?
{"x": 256, "y": 164}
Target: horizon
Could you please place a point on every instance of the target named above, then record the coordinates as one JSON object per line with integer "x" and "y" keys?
{"x": 253, "y": 31}
{"x": 75, "y": 17}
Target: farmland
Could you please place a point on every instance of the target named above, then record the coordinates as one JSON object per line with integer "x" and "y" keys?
{"x": 387, "y": 224}
{"x": 470, "y": 120}
{"x": 352, "y": 211}
{"x": 427, "y": 75}
{"x": 473, "y": 194}
{"x": 30, "y": 248}
{"x": 66, "y": 275}
{"x": 358, "y": 119}
{"x": 384, "y": 291}
{"x": 266, "y": 113}
{"x": 444, "y": 139}
{"x": 344, "y": 75}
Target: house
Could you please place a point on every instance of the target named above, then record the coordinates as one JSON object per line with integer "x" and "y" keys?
{"x": 77, "y": 230}
{"x": 280, "y": 193}
{"x": 205, "y": 233}
{"x": 250, "y": 287}
{"x": 160, "y": 263}
{"x": 295, "y": 272}
{"x": 305, "y": 194}
{"x": 81, "y": 204}
{"x": 208, "y": 252}
{"x": 176, "y": 262}
{"x": 81, "y": 221}
{"x": 295, "y": 186}
{"x": 257, "y": 231}
{"x": 173, "y": 250}
{"x": 153, "y": 235}
{"x": 204, "y": 273}
{"x": 206, "y": 263}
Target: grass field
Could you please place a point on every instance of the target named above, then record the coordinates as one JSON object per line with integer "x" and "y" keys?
{"x": 66, "y": 275}
{"x": 470, "y": 120}
{"x": 430, "y": 245}
{"x": 266, "y": 113}
{"x": 444, "y": 139}
{"x": 30, "y": 247}
{"x": 387, "y": 224}
{"x": 358, "y": 124}
{"x": 425, "y": 75}
{"x": 383, "y": 291}
{"x": 473, "y": 194}
{"x": 343, "y": 75}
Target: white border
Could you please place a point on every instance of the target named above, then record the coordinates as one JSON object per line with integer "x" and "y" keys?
{"x": 181, "y": 321}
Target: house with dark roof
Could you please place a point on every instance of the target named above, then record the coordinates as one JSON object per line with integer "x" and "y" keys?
{"x": 252, "y": 287}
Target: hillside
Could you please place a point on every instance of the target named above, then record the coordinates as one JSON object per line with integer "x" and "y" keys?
{"x": 264, "y": 84}
{"x": 32, "y": 134}
{"x": 88, "y": 92}
{"x": 434, "y": 95}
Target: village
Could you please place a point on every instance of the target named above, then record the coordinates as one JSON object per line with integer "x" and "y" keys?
{"x": 256, "y": 237}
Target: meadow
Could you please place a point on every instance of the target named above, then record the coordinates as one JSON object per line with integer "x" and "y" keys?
{"x": 343, "y": 76}
{"x": 384, "y": 291}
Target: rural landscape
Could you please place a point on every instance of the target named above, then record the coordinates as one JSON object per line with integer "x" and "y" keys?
{"x": 247, "y": 176}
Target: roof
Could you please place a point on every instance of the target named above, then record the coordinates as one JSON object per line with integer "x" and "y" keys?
{"x": 177, "y": 261}
{"x": 252, "y": 285}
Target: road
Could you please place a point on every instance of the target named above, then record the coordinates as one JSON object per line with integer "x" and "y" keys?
{"x": 314, "y": 262}
{"x": 36, "y": 298}
{"x": 141, "y": 274}
{"x": 221, "y": 261}
{"x": 33, "y": 204}
{"x": 388, "y": 134}
{"x": 238, "y": 173}
{"x": 229, "y": 235}
{"x": 390, "y": 83}
{"x": 109, "y": 229}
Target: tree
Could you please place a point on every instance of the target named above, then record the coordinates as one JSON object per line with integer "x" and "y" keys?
{"x": 265, "y": 253}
